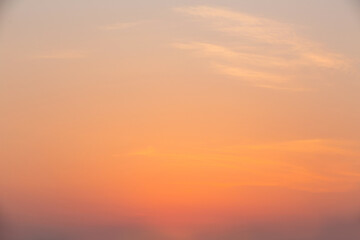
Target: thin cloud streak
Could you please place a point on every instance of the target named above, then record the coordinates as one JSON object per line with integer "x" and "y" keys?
{"x": 291, "y": 89}
{"x": 207, "y": 49}
{"x": 251, "y": 165}
{"x": 250, "y": 75}
{"x": 268, "y": 50}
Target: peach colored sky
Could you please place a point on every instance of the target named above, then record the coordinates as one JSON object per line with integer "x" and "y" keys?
{"x": 180, "y": 120}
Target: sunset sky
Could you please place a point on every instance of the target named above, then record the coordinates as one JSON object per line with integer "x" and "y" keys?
{"x": 180, "y": 120}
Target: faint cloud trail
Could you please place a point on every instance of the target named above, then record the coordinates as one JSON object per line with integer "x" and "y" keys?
{"x": 270, "y": 54}
{"x": 269, "y": 164}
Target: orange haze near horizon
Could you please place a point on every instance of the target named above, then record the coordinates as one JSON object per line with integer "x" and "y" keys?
{"x": 187, "y": 120}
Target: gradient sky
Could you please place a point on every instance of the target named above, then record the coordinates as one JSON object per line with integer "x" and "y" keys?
{"x": 180, "y": 120}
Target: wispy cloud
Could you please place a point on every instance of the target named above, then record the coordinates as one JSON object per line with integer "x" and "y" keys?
{"x": 267, "y": 50}
{"x": 236, "y": 22}
{"x": 269, "y": 164}
{"x": 207, "y": 49}
{"x": 254, "y": 76}
{"x": 291, "y": 89}
{"x": 322, "y": 146}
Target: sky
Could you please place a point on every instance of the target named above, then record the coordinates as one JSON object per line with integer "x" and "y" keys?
{"x": 179, "y": 120}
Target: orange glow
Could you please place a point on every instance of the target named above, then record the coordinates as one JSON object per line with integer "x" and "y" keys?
{"x": 161, "y": 120}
